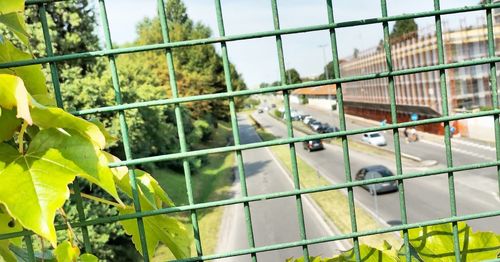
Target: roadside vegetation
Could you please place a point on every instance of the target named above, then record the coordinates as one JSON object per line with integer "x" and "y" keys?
{"x": 210, "y": 183}
{"x": 428, "y": 243}
{"x": 87, "y": 84}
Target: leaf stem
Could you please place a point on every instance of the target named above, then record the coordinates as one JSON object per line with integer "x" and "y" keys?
{"x": 20, "y": 137}
{"x": 71, "y": 233}
{"x": 100, "y": 200}
{"x": 43, "y": 248}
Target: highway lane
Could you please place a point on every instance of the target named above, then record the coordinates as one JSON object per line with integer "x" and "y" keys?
{"x": 426, "y": 197}
{"x": 274, "y": 221}
{"x": 463, "y": 152}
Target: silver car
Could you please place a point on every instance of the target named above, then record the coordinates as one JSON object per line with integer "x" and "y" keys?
{"x": 373, "y": 172}
{"x": 375, "y": 138}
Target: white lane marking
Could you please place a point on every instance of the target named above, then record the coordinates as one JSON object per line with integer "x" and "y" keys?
{"x": 472, "y": 144}
{"x": 460, "y": 150}
{"x": 341, "y": 244}
{"x": 312, "y": 206}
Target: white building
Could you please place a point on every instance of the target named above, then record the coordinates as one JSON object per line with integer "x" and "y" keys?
{"x": 324, "y": 97}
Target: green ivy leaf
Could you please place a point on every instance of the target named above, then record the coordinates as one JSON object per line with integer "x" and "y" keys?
{"x": 109, "y": 138}
{"x": 9, "y": 225}
{"x": 53, "y": 117}
{"x": 35, "y": 185}
{"x": 435, "y": 243}
{"x": 5, "y": 252}
{"x": 150, "y": 191}
{"x": 311, "y": 258}
{"x": 159, "y": 228}
{"x": 11, "y": 6}
{"x": 32, "y": 75}
{"x": 67, "y": 252}
{"x": 10, "y": 123}
{"x": 88, "y": 258}
{"x": 13, "y": 94}
{"x": 88, "y": 160}
{"x": 367, "y": 253}
{"x": 15, "y": 22}
{"x": 23, "y": 256}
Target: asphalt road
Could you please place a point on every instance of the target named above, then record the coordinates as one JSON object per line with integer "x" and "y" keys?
{"x": 426, "y": 198}
{"x": 274, "y": 221}
{"x": 463, "y": 152}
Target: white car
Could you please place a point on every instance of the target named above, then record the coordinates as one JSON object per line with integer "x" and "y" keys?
{"x": 293, "y": 114}
{"x": 315, "y": 125}
{"x": 307, "y": 119}
{"x": 374, "y": 138}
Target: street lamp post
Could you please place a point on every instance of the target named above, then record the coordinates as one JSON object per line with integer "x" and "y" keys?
{"x": 326, "y": 74}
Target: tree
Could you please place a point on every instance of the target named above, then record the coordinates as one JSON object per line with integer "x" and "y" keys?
{"x": 355, "y": 53}
{"x": 199, "y": 69}
{"x": 404, "y": 28}
{"x": 329, "y": 68}
{"x": 292, "y": 76}
{"x": 72, "y": 29}
{"x": 380, "y": 46}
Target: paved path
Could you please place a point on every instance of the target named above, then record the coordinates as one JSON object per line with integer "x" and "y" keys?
{"x": 274, "y": 221}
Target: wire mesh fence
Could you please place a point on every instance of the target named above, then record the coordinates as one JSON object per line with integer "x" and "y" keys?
{"x": 237, "y": 148}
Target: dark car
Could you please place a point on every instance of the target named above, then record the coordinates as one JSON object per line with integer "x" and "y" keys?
{"x": 260, "y": 110}
{"x": 312, "y": 145}
{"x": 326, "y": 128}
{"x": 373, "y": 172}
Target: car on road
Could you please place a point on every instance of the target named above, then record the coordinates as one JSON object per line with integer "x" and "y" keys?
{"x": 374, "y": 138}
{"x": 373, "y": 172}
{"x": 303, "y": 116}
{"x": 326, "y": 128}
{"x": 315, "y": 125}
{"x": 260, "y": 110}
{"x": 312, "y": 145}
{"x": 307, "y": 119}
{"x": 293, "y": 114}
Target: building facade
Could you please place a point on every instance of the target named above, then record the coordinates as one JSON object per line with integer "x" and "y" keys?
{"x": 323, "y": 97}
{"x": 468, "y": 87}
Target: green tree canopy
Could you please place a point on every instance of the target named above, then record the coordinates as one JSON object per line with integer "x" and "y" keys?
{"x": 292, "y": 76}
{"x": 329, "y": 68}
{"x": 404, "y": 27}
{"x": 72, "y": 28}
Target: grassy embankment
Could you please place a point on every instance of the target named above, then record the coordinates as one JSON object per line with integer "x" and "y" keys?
{"x": 211, "y": 183}
{"x": 334, "y": 203}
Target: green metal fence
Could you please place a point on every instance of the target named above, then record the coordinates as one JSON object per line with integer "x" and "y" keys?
{"x": 238, "y": 148}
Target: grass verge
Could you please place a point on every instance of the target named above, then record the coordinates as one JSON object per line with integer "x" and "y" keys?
{"x": 334, "y": 204}
{"x": 211, "y": 183}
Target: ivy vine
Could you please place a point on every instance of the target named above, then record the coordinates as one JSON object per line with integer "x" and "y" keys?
{"x": 44, "y": 148}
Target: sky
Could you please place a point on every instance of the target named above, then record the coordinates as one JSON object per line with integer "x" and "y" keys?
{"x": 256, "y": 59}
